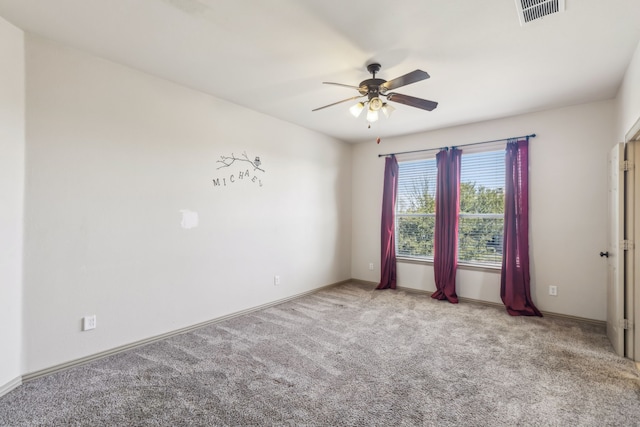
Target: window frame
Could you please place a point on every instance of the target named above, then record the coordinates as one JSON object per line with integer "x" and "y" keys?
{"x": 413, "y": 159}
{"x": 428, "y": 259}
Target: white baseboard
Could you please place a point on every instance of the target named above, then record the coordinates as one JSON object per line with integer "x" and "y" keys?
{"x": 500, "y": 305}
{"x": 6, "y": 388}
{"x": 600, "y": 323}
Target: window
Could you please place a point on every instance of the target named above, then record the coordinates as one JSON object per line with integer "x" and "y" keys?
{"x": 481, "y": 219}
{"x": 416, "y": 208}
{"x": 482, "y": 177}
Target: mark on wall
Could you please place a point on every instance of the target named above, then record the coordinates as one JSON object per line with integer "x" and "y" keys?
{"x": 189, "y": 219}
{"x": 238, "y": 171}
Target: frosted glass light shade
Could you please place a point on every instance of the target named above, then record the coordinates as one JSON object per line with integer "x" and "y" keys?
{"x": 387, "y": 110}
{"x": 372, "y": 115}
{"x": 357, "y": 109}
{"x": 375, "y": 104}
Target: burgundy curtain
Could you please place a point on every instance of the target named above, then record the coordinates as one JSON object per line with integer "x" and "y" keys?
{"x": 515, "y": 280}
{"x": 445, "y": 253}
{"x": 388, "y": 242}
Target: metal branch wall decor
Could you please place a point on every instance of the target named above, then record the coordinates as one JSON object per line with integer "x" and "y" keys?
{"x": 239, "y": 171}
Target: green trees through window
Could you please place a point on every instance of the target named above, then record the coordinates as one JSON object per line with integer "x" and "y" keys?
{"x": 481, "y": 217}
{"x": 416, "y": 208}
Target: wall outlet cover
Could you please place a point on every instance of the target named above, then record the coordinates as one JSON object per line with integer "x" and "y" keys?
{"x": 88, "y": 323}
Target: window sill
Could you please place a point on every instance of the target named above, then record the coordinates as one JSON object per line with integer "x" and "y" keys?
{"x": 462, "y": 265}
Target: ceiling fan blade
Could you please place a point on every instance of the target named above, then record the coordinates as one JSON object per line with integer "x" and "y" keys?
{"x": 412, "y": 101}
{"x": 412, "y": 77}
{"x": 340, "y": 84}
{"x": 339, "y": 102}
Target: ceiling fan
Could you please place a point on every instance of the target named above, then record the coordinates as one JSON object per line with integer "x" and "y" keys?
{"x": 374, "y": 88}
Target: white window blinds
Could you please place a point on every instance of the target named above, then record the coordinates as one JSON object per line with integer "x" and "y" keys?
{"x": 481, "y": 219}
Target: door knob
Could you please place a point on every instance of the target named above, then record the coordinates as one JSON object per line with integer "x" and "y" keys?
{"x": 604, "y": 254}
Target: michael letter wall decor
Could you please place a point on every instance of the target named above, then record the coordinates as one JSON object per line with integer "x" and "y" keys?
{"x": 240, "y": 172}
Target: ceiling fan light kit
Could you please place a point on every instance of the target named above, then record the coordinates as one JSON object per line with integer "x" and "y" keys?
{"x": 373, "y": 88}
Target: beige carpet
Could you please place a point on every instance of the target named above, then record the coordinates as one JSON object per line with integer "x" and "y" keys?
{"x": 349, "y": 356}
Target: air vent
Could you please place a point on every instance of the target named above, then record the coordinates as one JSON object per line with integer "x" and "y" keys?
{"x": 530, "y": 10}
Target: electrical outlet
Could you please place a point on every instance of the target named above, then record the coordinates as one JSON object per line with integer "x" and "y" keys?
{"x": 276, "y": 280}
{"x": 553, "y": 291}
{"x": 89, "y": 322}
{"x": 370, "y": 266}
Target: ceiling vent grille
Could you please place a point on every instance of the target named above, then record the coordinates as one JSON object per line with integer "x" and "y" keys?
{"x": 530, "y": 10}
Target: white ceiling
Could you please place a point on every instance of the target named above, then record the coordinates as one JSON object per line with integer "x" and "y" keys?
{"x": 273, "y": 55}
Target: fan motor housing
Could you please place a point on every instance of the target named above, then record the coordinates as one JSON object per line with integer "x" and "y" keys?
{"x": 371, "y": 87}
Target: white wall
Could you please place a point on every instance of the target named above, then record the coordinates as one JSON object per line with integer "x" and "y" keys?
{"x": 628, "y": 99}
{"x": 568, "y": 206}
{"x": 113, "y": 156}
{"x": 12, "y": 146}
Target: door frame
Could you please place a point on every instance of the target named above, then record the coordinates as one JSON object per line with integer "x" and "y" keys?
{"x": 631, "y": 205}
{"x": 633, "y": 296}
{"x": 616, "y": 254}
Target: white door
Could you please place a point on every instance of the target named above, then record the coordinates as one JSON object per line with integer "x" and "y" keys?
{"x": 615, "y": 285}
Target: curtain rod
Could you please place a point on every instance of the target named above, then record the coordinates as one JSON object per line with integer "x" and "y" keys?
{"x": 533, "y": 135}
